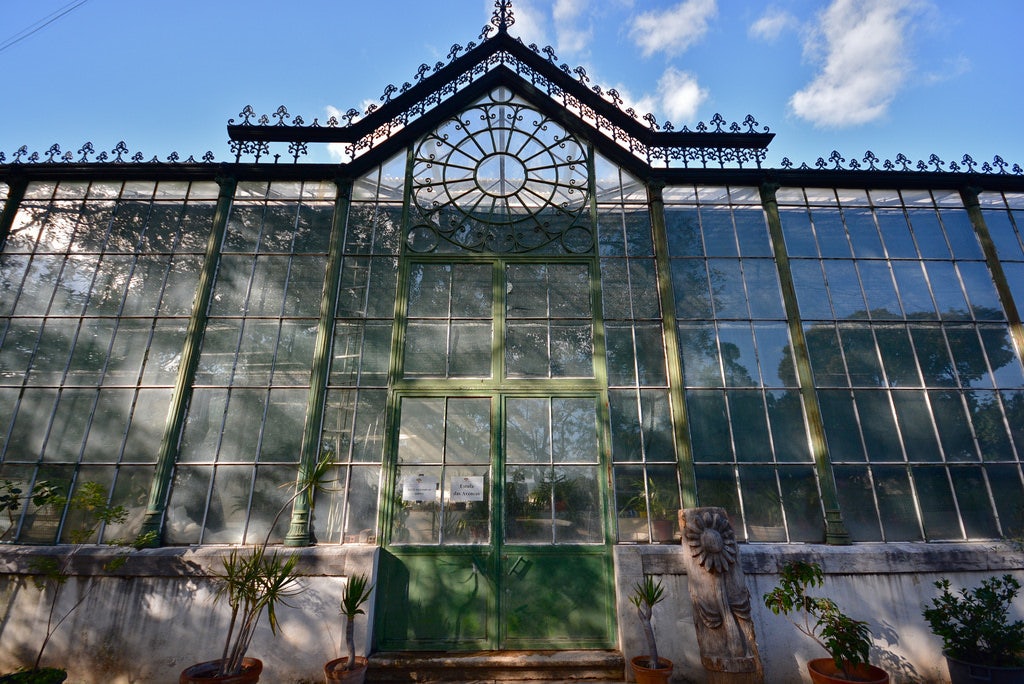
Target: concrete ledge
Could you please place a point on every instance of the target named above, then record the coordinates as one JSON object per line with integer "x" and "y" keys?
{"x": 856, "y": 559}
{"x": 198, "y": 561}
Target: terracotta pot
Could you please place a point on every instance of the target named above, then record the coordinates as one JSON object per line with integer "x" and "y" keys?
{"x": 335, "y": 671}
{"x": 963, "y": 672}
{"x": 824, "y": 671}
{"x": 206, "y": 673}
{"x": 646, "y": 675}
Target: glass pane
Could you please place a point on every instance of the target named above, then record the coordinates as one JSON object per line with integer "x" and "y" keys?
{"x": 271, "y": 498}
{"x": 709, "y": 425}
{"x": 915, "y": 424}
{"x": 468, "y": 431}
{"x": 429, "y": 290}
{"x": 716, "y": 486}
{"x": 572, "y": 350}
{"x": 416, "y": 519}
{"x": 466, "y": 494}
{"x": 896, "y": 503}
{"x": 470, "y": 354}
{"x": 749, "y": 426}
{"x": 973, "y": 501}
{"x": 527, "y": 431}
{"x": 528, "y": 504}
{"x": 937, "y": 506}
{"x": 526, "y": 349}
{"x": 839, "y": 420}
{"x": 578, "y": 517}
{"x": 854, "y": 489}
{"x": 363, "y": 495}
{"x": 425, "y": 349}
{"x": 877, "y": 425}
{"x": 229, "y": 505}
{"x": 471, "y": 292}
{"x": 802, "y": 505}
{"x": 954, "y": 430}
{"x": 625, "y": 426}
{"x": 762, "y": 504}
{"x": 574, "y": 431}
{"x": 421, "y": 433}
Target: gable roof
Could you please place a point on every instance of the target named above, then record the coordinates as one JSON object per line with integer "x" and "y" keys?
{"x": 501, "y": 60}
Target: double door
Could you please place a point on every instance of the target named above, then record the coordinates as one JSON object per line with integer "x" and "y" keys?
{"x": 496, "y": 535}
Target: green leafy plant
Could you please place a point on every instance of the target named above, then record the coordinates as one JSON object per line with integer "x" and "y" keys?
{"x": 974, "y": 623}
{"x": 256, "y": 580}
{"x": 89, "y": 509}
{"x": 845, "y": 639}
{"x": 646, "y": 594}
{"x": 357, "y": 592}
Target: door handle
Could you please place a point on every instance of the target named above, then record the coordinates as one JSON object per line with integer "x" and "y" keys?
{"x": 516, "y": 564}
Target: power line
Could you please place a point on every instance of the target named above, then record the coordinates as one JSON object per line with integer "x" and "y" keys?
{"x": 41, "y": 24}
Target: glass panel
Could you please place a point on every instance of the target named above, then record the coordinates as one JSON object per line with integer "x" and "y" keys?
{"x": 801, "y": 503}
{"x": 896, "y": 503}
{"x": 973, "y": 501}
{"x": 761, "y": 504}
{"x": 422, "y": 429}
{"x": 578, "y": 517}
{"x": 574, "y": 430}
{"x": 854, "y": 488}
{"x": 468, "y": 431}
{"x": 466, "y": 493}
{"x": 709, "y": 425}
{"x": 416, "y": 519}
{"x": 938, "y": 508}
{"x": 528, "y": 504}
{"x": 527, "y": 431}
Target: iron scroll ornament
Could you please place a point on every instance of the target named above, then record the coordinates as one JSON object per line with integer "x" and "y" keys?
{"x": 500, "y": 177}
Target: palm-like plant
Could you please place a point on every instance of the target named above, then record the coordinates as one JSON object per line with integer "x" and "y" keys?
{"x": 357, "y": 591}
{"x": 646, "y": 594}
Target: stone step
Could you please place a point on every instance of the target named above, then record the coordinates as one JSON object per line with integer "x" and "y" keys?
{"x": 497, "y": 666}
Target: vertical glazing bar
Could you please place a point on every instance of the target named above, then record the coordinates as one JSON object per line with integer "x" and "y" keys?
{"x": 299, "y": 533}
{"x": 15, "y": 193}
{"x": 995, "y": 267}
{"x": 681, "y": 430}
{"x": 168, "y": 450}
{"x": 835, "y": 528}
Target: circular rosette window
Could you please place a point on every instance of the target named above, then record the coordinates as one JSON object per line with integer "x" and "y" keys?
{"x": 500, "y": 177}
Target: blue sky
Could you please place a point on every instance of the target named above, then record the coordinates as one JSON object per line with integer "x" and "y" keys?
{"x": 891, "y": 76}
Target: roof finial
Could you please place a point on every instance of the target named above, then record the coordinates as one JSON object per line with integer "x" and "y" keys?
{"x": 502, "y": 17}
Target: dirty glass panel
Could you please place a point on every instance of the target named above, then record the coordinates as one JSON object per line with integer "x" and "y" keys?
{"x": 856, "y": 499}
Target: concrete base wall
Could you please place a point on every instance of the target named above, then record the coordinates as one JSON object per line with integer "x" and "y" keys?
{"x": 887, "y": 585}
{"x": 155, "y": 615}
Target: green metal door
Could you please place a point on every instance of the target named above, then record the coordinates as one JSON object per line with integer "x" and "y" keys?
{"x": 496, "y": 536}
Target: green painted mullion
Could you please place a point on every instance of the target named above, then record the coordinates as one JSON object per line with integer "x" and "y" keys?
{"x": 168, "y": 450}
{"x": 677, "y": 401}
{"x": 15, "y": 193}
{"x": 995, "y": 266}
{"x": 309, "y": 453}
{"x": 835, "y": 528}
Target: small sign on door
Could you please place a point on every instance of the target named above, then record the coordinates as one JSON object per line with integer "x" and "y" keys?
{"x": 419, "y": 488}
{"x": 469, "y": 488}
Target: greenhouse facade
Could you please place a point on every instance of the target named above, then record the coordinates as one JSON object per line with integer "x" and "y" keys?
{"x": 522, "y": 328}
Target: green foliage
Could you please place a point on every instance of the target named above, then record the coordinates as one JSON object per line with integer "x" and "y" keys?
{"x": 658, "y": 499}
{"x": 12, "y": 497}
{"x": 252, "y": 581}
{"x": 357, "y": 592}
{"x": 974, "y": 623}
{"x": 845, "y": 639}
{"x": 646, "y": 594}
{"x": 44, "y": 675}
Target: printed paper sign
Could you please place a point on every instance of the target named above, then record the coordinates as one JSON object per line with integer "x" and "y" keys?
{"x": 466, "y": 489}
{"x": 419, "y": 488}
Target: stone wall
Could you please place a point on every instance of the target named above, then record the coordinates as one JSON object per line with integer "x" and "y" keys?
{"x": 154, "y": 616}
{"x": 884, "y": 584}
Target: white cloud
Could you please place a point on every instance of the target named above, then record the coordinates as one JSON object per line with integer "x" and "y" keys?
{"x": 681, "y": 95}
{"x": 673, "y": 30}
{"x": 530, "y": 24}
{"x": 771, "y": 25}
{"x": 570, "y": 36}
{"x": 864, "y": 63}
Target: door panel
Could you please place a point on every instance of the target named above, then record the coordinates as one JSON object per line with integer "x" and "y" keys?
{"x": 434, "y": 601}
{"x": 556, "y": 598}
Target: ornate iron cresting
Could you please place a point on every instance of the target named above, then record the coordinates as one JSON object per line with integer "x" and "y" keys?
{"x": 715, "y": 143}
{"x": 86, "y": 154}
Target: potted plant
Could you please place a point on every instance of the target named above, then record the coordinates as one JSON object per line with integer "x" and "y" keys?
{"x": 978, "y": 640}
{"x": 650, "y": 668}
{"x": 254, "y": 582}
{"x": 351, "y": 668}
{"x": 658, "y": 501}
{"x": 846, "y": 640}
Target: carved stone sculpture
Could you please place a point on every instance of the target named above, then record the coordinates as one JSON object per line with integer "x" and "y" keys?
{"x": 721, "y": 601}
